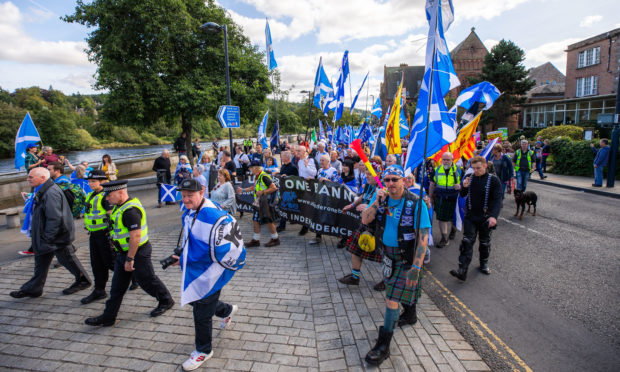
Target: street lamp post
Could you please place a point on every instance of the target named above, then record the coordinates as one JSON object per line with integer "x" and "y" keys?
{"x": 309, "y": 111}
{"x": 214, "y": 27}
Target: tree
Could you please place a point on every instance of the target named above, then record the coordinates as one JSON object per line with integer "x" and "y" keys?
{"x": 156, "y": 62}
{"x": 503, "y": 67}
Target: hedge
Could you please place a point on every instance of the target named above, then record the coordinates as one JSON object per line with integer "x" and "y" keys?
{"x": 571, "y": 131}
{"x": 574, "y": 158}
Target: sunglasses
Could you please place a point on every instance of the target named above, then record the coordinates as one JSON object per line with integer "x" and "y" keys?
{"x": 393, "y": 180}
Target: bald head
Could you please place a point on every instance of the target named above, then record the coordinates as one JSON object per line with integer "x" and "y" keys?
{"x": 38, "y": 176}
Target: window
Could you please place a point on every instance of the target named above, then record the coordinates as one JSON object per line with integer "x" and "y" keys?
{"x": 587, "y": 86}
{"x": 589, "y": 57}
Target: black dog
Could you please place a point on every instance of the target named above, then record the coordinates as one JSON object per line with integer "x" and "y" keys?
{"x": 523, "y": 198}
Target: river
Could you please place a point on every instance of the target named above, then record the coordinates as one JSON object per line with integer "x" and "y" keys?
{"x": 94, "y": 156}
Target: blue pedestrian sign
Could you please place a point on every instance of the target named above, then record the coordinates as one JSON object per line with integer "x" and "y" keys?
{"x": 228, "y": 116}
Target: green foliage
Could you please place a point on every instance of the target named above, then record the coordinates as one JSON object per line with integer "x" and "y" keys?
{"x": 157, "y": 63}
{"x": 151, "y": 139}
{"x": 84, "y": 140}
{"x": 529, "y": 133}
{"x": 574, "y": 157}
{"x": 10, "y": 119}
{"x": 504, "y": 68}
{"x": 571, "y": 131}
{"x": 126, "y": 134}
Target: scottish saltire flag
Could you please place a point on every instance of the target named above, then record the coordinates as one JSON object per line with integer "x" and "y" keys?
{"x": 322, "y": 85}
{"x": 169, "y": 193}
{"x": 28, "y": 207}
{"x": 364, "y": 133}
{"x": 487, "y": 152}
{"x": 26, "y": 134}
{"x": 484, "y": 92}
{"x": 329, "y": 103}
{"x": 440, "y": 76}
{"x": 380, "y": 148}
{"x": 358, "y": 93}
{"x": 83, "y": 183}
{"x": 262, "y": 131}
{"x": 322, "y": 136}
{"x": 376, "y": 109}
{"x": 275, "y": 136}
{"x": 459, "y": 213}
{"x": 330, "y": 134}
{"x": 339, "y": 95}
{"x": 404, "y": 126}
{"x": 271, "y": 58}
{"x": 213, "y": 251}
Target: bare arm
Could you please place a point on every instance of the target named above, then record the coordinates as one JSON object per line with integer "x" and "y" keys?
{"x": 418, "y": 260}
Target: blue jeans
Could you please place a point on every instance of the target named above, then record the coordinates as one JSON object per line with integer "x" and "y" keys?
{"x": 522, "y": 177}
{"x": 539, "y": 169}
{"x": 598, "y": 176}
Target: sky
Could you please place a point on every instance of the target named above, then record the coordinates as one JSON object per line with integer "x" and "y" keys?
{"x": 38, "y": 48}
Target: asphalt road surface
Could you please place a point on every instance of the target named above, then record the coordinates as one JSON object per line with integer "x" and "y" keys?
{"x": 551, "y": 302}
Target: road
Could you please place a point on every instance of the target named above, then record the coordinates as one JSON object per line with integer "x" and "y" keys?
{"x": 551, "y": 302}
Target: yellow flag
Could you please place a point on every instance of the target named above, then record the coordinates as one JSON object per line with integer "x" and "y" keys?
{"x": 392, "y": 130}
{"x": 464, "y": 145}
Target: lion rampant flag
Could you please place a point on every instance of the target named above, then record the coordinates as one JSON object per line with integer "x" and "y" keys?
{"x": 392, "y": 129}
{"x": 465, "y": 142}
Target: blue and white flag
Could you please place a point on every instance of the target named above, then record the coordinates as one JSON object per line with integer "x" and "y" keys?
{"x": 365, "y": 133}
{"x": 439, "y": 69}
{"x": 487, "y": 152}
{"x": 26, "y": 134}
{"x": 322, "y": 85}
{"x": 262, "y": 131}
{"x": 340, "y": 88}
{"x": 83, "y": 183}
{"x": 213, "y": 251}
{"x": 271, "y": 58}
{"x": 28, "y": 208}
{"x": 404, "y": 126}
{"x": 358, "y": 93}
{"x": 376, "y": 109}
{"x": 459, "y": 213}
{"x": 329, "y": 103}
{"x": 322, "y": 136}
{"x": 330, "y": 134}
{"x": 169, "y": 193}
{"x": 484, "y": 92}
{"x": 275, "y": 136}
{"x": 380, "y": 148}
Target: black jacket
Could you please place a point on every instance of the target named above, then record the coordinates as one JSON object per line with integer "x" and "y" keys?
{"x": 52, "y": 220}
{"x": 212, "y": 181}
{"x": 179, "y": 144}
{"x": 162, "y": 163}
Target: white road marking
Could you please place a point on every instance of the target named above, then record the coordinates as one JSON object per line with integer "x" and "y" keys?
{"x": 529, "y": 229}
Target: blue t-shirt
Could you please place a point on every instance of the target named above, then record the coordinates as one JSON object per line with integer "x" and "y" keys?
{"x": 395, "y": 208}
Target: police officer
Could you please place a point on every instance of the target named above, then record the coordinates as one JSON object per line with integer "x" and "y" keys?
{"x": 96, "y": 221}
{"x": 444, "y": 191}
{"x": 129, "y": 232}
{"x": 396, "y": 210}
{"x": 265, "y": 215}
{"x": 482, "y": 207}
{"x": 209, "y": 232}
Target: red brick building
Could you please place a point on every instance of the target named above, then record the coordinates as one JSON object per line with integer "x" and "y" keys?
{"x": 468, "y": 59}
{"x": 592, "y": 71}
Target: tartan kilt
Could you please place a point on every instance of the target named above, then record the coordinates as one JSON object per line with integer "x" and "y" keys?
{"x": 355, "y": 249}
{"x": 396, "y": 287}
{"x": 444, "y": 207}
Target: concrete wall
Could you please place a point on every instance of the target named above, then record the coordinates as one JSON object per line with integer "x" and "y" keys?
{"x": 12, "y": 186}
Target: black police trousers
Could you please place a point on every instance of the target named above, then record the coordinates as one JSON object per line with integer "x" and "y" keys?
{"x": 145, "y": 276}
{"x": 101, "y": 257}
{"x": 472, "y": 227}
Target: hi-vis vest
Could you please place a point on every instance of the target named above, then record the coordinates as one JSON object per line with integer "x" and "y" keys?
{"x": 120, "y": 233}
{"x": 95, "y": 218}
{"x": 529, "y": 159}
{"x": 260, "y": 185}
{"x": 446, "y": 181}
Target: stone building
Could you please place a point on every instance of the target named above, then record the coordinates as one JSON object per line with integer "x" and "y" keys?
{"x": 550, "y": 83}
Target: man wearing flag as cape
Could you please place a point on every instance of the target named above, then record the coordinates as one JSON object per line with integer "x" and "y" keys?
{"x": 213, "y": 251}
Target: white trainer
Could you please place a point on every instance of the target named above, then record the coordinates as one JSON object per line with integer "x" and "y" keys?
{"x": 226, "y": 321}
{"x": 195, "y": 360}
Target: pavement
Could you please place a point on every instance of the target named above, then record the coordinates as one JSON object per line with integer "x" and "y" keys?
{"x": 293, "y": 315}
{"x": 583, "y": 184}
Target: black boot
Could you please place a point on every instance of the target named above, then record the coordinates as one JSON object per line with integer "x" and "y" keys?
{"x": 381, "y": 351}
{"x": 95, "y": 295}
{"x": 452, "y": 233}
{"x": 484, "y": 267}
{"x": 409, "y": 316}
{"x": 443, "y": 242}
{"x": 460, "y": 274}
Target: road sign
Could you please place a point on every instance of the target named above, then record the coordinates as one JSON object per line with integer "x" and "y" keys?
{"x": 228, "y": 116}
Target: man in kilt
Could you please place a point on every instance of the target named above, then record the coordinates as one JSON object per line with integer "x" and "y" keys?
{"x": 357, "y": 254}
{"x": 396, "y": 211}
{"x": 444, "y": 191}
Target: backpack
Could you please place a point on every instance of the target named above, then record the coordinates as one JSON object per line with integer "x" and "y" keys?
{"x": 75, "y": 197}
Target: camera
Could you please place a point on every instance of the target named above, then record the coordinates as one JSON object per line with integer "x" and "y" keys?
{"x": 178, "y": 251}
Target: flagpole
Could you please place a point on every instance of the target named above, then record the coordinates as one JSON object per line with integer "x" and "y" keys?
{"x": 367, "y": 89}
{"x": 428, "y": 116}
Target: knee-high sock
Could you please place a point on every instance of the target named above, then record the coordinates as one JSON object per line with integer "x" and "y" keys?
{"x": 391, "y": 317}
